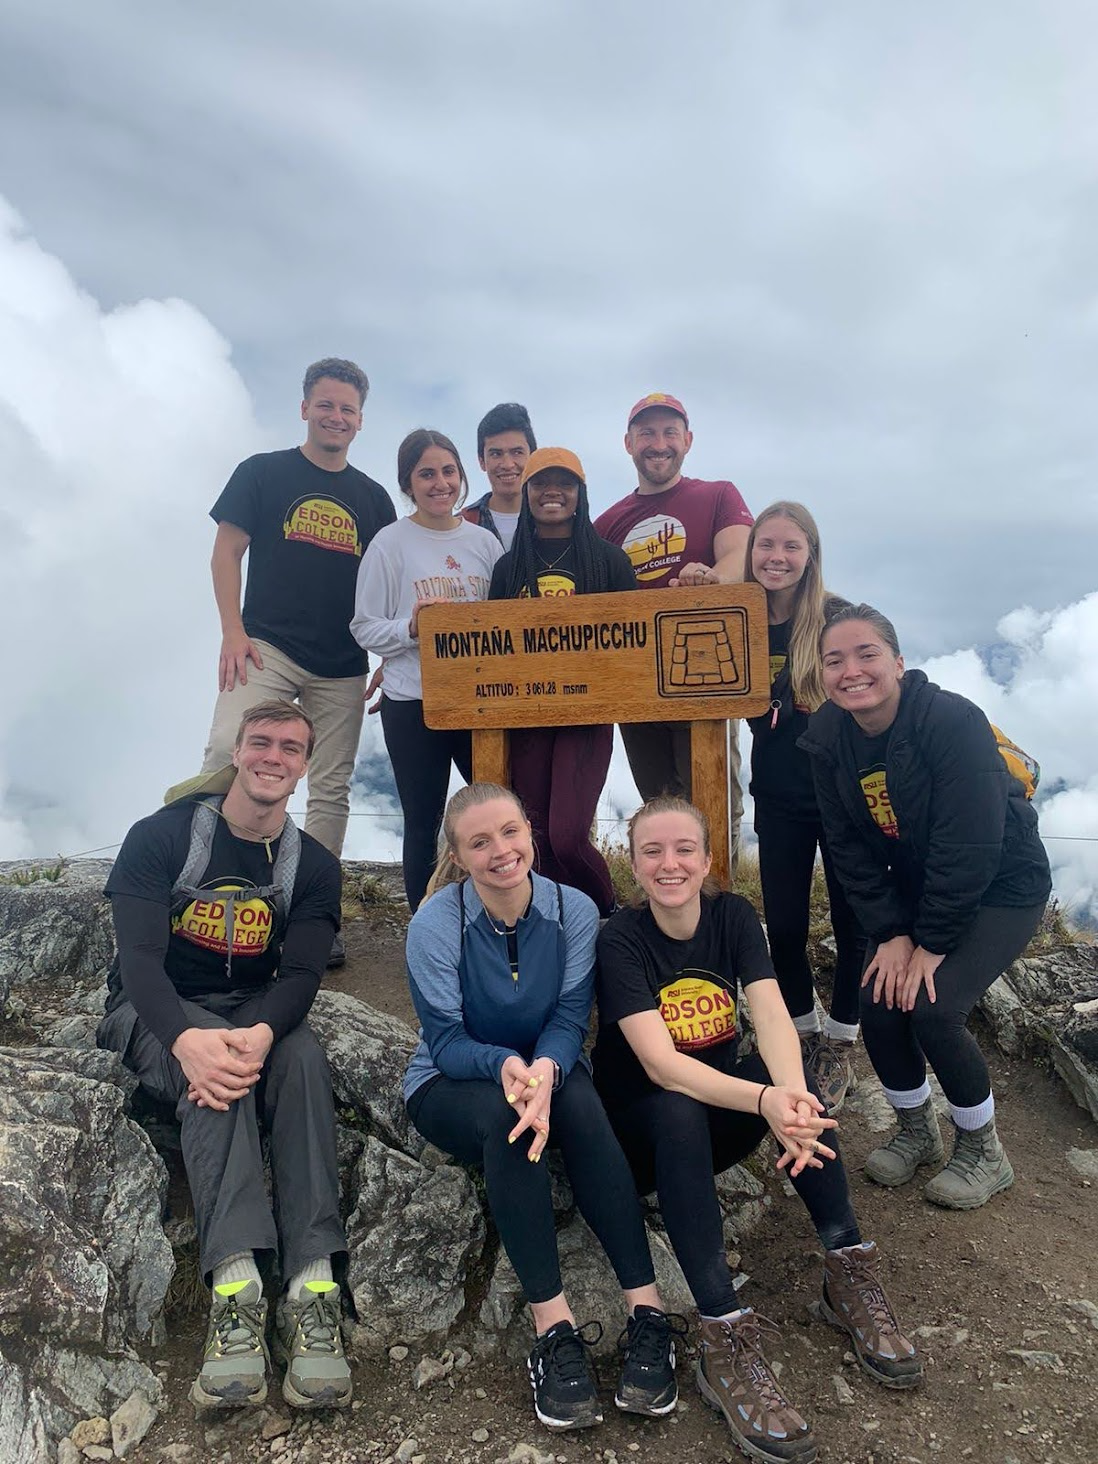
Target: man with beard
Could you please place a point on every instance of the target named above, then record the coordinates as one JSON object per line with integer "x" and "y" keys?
{"x": 676, "y": 531}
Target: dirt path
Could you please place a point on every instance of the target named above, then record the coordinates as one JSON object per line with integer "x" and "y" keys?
{"x": 984, "y": 1287}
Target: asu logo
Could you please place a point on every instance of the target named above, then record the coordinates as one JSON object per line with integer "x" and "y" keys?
{"x": 451, "y": 562}
{"x": 875, "y": 790}
{"x": 324, "y": 522}
{"x": 655, "y": 545}
{"x": 203, "y": 923}
{"x": 551, "y": 586}
{"x": 697, "y": 1010}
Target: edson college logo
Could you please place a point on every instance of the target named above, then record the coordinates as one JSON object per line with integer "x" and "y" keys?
{"x": 697, "y": 1011}
{"x": 654, "y": 544}
{"x": 203, "y": 923}
{"x": 324, "y": 522}
{"x": 552, "y": 586}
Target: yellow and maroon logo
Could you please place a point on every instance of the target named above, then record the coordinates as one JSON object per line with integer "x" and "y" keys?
{"x": 324, "y": 522}
{"x": 203, "y": 923}
{"x": 878, "y": 802}
{"x": 551, "y": 586}
{"x": 697, "y": 1011}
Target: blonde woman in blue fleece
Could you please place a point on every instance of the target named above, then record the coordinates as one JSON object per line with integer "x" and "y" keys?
{"x": 501, "y": 967}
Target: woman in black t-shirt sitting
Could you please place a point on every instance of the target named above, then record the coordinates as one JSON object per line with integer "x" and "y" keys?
{"x": 783, "y": 555}
{"x": 685, "y": 1106}
{"x": 559, "y": 772}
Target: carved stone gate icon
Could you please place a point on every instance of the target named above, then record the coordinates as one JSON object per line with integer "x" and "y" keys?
{"x": 702, "y": 652}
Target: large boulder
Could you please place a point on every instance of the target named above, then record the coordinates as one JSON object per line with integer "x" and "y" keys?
{"x": 84, "y": 1263}
{"x": 368, "y": 1053}
{"x": 415, "y": 1240}
{"x": 56, "y": 942}
{"x": 1048, "y": 1006}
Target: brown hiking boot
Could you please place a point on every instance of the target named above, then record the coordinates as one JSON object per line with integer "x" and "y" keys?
{"x": 829, "y": 1063}
{"x": 734, "y": 1377}
{"x": 855, "y": 1301}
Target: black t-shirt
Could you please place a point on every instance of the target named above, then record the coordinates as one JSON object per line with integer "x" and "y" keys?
{"x": 195, "y": 961}
{"x": 556, "y": 562}
{"x": 693, "y": 984}
{"x": 870, "y": 755}
{"x": 309, "y": 530}
{"x": 781, "y": 773}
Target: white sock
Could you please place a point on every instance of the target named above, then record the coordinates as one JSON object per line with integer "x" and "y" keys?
{"x": 318, "y": 1270}
{"x": 732, "y": 1316}
{"x": 908, "y": 1097}
{"x": 840, "y": 1031}
{"x": 241, "y": 1267}
{"x": 807, "y": 1025}
{"x": 973, "y": 1118}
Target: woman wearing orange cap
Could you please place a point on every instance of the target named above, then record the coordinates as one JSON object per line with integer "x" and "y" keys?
{"x": 559, "y": 772}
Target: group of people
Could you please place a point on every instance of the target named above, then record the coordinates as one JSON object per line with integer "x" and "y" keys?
{"x": 226, "y": 916}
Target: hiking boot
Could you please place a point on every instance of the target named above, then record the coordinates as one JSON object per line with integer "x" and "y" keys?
{"x": 916, "y": 1142}
{"x": 829, "y": 1063}
{"x": 234, "y": 1362}
{"x": 565, "y": 1392}
{"x": 337, "y": 956}
{"x": 978, "y": 1169}
{"x": 648, "y": 1383}
{"x": 855, "y": 1301}
{"x": 309, "y": 1346}
{"x": 734, "y": 1377}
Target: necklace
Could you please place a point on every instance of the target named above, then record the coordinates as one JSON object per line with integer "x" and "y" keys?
{"x": 256, "y": 837}
{"x": 506, "y": 930}
{"x": 558, "y": 559}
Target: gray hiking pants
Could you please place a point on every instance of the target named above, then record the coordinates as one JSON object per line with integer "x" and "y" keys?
{"x": 222, "y": 1153}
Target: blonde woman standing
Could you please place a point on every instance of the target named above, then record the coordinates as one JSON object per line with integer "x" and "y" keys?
{"x": 783, "y": 555}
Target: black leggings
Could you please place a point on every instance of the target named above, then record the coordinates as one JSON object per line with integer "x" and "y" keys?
{"x": 675, "y": 1145}
{"x": 787, "y": 853}
{"x": 900, "y": 1044}
{"x": 471, "y": 1120}
{"x": 421, "y": 760}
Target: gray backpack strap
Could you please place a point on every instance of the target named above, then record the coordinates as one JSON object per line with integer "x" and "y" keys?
{"x": 285, "y": 872}
{"x": 203, "y": 824}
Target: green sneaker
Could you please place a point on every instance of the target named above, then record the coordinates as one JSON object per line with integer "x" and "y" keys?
{"x": 234, "y": 1363}
{"x": 309, "y": 1345}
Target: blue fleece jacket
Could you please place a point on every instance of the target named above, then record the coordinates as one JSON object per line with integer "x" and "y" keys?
{"x": 474, "y": 1018}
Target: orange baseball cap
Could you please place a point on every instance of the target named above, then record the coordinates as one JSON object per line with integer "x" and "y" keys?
{"x": 553, "y": 457}
{"x": 658, "y": 399}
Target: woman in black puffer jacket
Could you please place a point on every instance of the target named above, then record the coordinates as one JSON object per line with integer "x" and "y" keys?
{"x": 938, "y": 852}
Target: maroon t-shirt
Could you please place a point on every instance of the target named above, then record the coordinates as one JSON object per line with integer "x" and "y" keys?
{"x": 660, "y": 532}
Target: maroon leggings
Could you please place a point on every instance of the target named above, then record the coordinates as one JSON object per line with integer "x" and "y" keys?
{"x": 559, "y": 772}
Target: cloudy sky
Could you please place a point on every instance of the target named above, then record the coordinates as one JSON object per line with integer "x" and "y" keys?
{"x": 857, "y": 241}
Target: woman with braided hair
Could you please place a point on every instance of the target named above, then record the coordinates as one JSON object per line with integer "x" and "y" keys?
{"x": 559, "y": 772}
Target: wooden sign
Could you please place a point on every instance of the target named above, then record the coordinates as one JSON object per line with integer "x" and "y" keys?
{"x": 682, "y": 655}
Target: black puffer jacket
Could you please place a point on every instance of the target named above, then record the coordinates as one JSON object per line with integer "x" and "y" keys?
{"x": 967, "y": 836}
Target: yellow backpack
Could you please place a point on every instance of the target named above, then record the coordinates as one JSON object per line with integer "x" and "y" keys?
{"x": 1019, "y": 763}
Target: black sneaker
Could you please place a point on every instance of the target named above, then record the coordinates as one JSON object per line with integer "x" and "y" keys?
{"x": 565, "y": 1392}
{"x": 648, "y": 1365}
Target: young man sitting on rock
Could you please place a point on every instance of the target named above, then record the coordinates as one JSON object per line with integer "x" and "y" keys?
{"x": 224, "y": 915}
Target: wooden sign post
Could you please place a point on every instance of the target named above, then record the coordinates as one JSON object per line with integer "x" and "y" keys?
{"x": 684, "y": 655}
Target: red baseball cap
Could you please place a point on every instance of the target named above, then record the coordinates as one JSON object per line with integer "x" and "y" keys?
{"x": 658, "y": 399}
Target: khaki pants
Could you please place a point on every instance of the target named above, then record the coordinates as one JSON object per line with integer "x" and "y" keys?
{"x": 336, "y": 707}
{"x": 659, "y": 759}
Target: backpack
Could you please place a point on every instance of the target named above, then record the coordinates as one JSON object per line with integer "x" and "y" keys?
{"x": 1026, "y": 769}
{"x": 188, "y": 882}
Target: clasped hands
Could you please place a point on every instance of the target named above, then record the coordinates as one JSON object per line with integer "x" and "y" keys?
{"x": 528, "y": 1088}
{"x": 797, "y": 1119}
{"x": 898, "y": 969}
{"x": 222, "y": 1064}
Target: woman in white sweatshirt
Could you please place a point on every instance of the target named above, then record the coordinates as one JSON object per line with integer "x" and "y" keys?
{"x": 432, "y": 555}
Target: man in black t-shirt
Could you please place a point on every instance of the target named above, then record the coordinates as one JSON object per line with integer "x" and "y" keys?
{"x": 224, "y": 915}
{"x": 305, "y": 517}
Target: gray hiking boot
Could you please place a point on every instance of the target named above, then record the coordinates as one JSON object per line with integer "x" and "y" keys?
{"x": 978, "y": 1169}
{"x": 234, "y": 1363}
{"x": 916, "y": 1142}
{"x": 829, "y": 1063}
{"x": 309, "y": 1345}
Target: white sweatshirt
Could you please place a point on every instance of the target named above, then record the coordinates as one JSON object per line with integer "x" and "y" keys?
{"x": 403, "y": 563}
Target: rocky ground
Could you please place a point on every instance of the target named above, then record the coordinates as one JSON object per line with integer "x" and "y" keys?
{"x": 1004, "y": 1302}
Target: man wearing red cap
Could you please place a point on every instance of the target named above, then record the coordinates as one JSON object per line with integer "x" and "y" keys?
{"x": 676, "y": 531}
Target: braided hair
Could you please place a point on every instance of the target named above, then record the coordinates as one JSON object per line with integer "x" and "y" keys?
{"x": 592, "y": 577}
